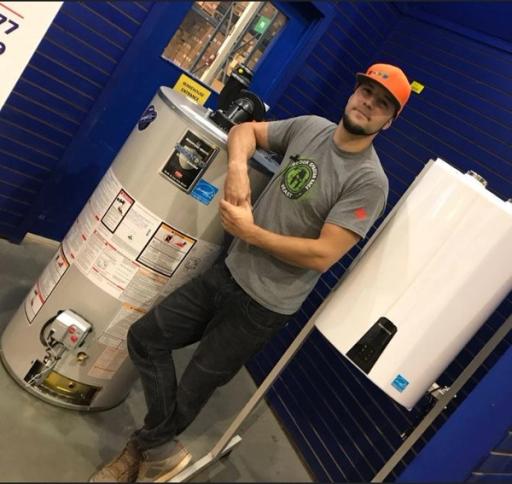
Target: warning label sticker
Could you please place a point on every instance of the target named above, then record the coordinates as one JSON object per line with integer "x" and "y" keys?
{"x": 91, "y": 214}
{"x": 165, "y": 250}
{"x": 33, "y": 302}
{"x": 123, "y": 319}
{"x": 136, "y": 229}
{"x": 110, "y": 360}
{"x": 112, "y": 271}
{"x": 144, "y": 288}
{"x": 117, "y": 210}
{"x": 126, "y": 251}
{"x": 202, "y": 255}
{"x": 46, "y": 283}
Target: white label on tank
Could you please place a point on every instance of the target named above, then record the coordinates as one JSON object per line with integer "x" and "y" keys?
{"x": 124, "y": 248}
{"x": 95, "y": 244}
{"x": 91, "y": 214}
{"x": 109, "y": 361}
{"x": 112, "y": 271}
{"x": 129, "y": 252}
{"x": 109, "y": 261}
{"x": 117, "y": 210}
{"x": 165, "y": 250}
{"x": 121, "y": 322}
{"x": 33, "y": 302}
{"x": 135, "y": 230}
{"x": 104, "y": 194}
{"x": 200, "y": 257}
{"x": 46, "y": 283}
{"x": 79, "y": 233}
{"x": 144, "y": 288}
{"x": 53, "y": 273}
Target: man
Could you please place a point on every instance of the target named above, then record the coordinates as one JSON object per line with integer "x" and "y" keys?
{"x": 328, "y": 194}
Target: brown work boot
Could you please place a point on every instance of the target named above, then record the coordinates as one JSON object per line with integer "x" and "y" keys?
{"x": 123, "y": 468}
{"x": 161, "y": 468}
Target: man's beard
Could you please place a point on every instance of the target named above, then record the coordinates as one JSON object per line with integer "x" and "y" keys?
{"x": 354, "y": 128}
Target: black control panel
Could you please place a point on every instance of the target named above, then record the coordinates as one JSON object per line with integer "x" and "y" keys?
{"x": 367, "y": 350}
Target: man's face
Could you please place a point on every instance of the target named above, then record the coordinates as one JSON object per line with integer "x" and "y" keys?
{"x": 369, "y": 110}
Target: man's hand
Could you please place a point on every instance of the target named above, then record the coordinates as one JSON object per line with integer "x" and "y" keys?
{"x": 237, "y": 220}
{"x": 237, "y": 189}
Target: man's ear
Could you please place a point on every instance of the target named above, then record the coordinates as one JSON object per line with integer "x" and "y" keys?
{"x": 388, "y": 124}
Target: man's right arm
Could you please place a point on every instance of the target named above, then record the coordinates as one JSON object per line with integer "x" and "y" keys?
{"x": 243, "y": 139}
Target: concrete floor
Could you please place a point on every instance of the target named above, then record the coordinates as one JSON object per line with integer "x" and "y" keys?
{"x": 43, "y": 443}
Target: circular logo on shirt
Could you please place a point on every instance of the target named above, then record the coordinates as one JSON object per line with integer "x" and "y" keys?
{"x": 299, "y": 177}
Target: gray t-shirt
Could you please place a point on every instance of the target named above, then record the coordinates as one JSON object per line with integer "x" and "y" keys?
{"x": 317, "y": 183}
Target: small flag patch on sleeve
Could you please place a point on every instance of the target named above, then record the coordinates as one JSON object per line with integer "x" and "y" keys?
{"x": 360, "y": 213}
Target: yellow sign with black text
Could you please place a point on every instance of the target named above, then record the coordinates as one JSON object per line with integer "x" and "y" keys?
{"x": 192, "y": 89}
{"x": 417, "y": 87}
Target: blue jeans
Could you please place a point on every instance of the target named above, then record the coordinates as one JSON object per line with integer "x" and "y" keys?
{"x": 231, "y": 327}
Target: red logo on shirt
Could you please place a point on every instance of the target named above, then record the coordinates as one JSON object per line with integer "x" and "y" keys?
{"x": 360, "y": 213}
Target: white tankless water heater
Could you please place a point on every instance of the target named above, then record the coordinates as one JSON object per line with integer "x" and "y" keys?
{"x": 151, "y": 224}
{"x": 429, "y": 278}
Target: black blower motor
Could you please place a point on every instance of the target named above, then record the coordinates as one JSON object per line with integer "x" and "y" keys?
{"x": 236, "y": 104}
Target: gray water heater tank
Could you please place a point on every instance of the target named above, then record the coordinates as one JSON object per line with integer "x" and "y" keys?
{"x": 151, "y": 224}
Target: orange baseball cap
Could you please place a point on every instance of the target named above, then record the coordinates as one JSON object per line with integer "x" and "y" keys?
{"x": 390, "y": 78}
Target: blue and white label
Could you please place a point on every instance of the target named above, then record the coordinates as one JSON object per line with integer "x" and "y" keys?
{"x": 400, "y": 383}
{"x": 204, "y": 192}
{"x": 148, "y": 116}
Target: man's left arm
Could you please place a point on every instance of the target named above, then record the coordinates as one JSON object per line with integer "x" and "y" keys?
{"x": 318, "y": 254}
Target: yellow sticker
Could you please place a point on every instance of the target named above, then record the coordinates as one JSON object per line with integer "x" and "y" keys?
{"x": 192, "y": 89}
{"x": 417, "y": 87}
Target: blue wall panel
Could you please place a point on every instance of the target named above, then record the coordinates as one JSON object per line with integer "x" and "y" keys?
{"x": 55, "y": 93}
{"x": 489, "y": 22}
{"x": 464, "y": 116}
